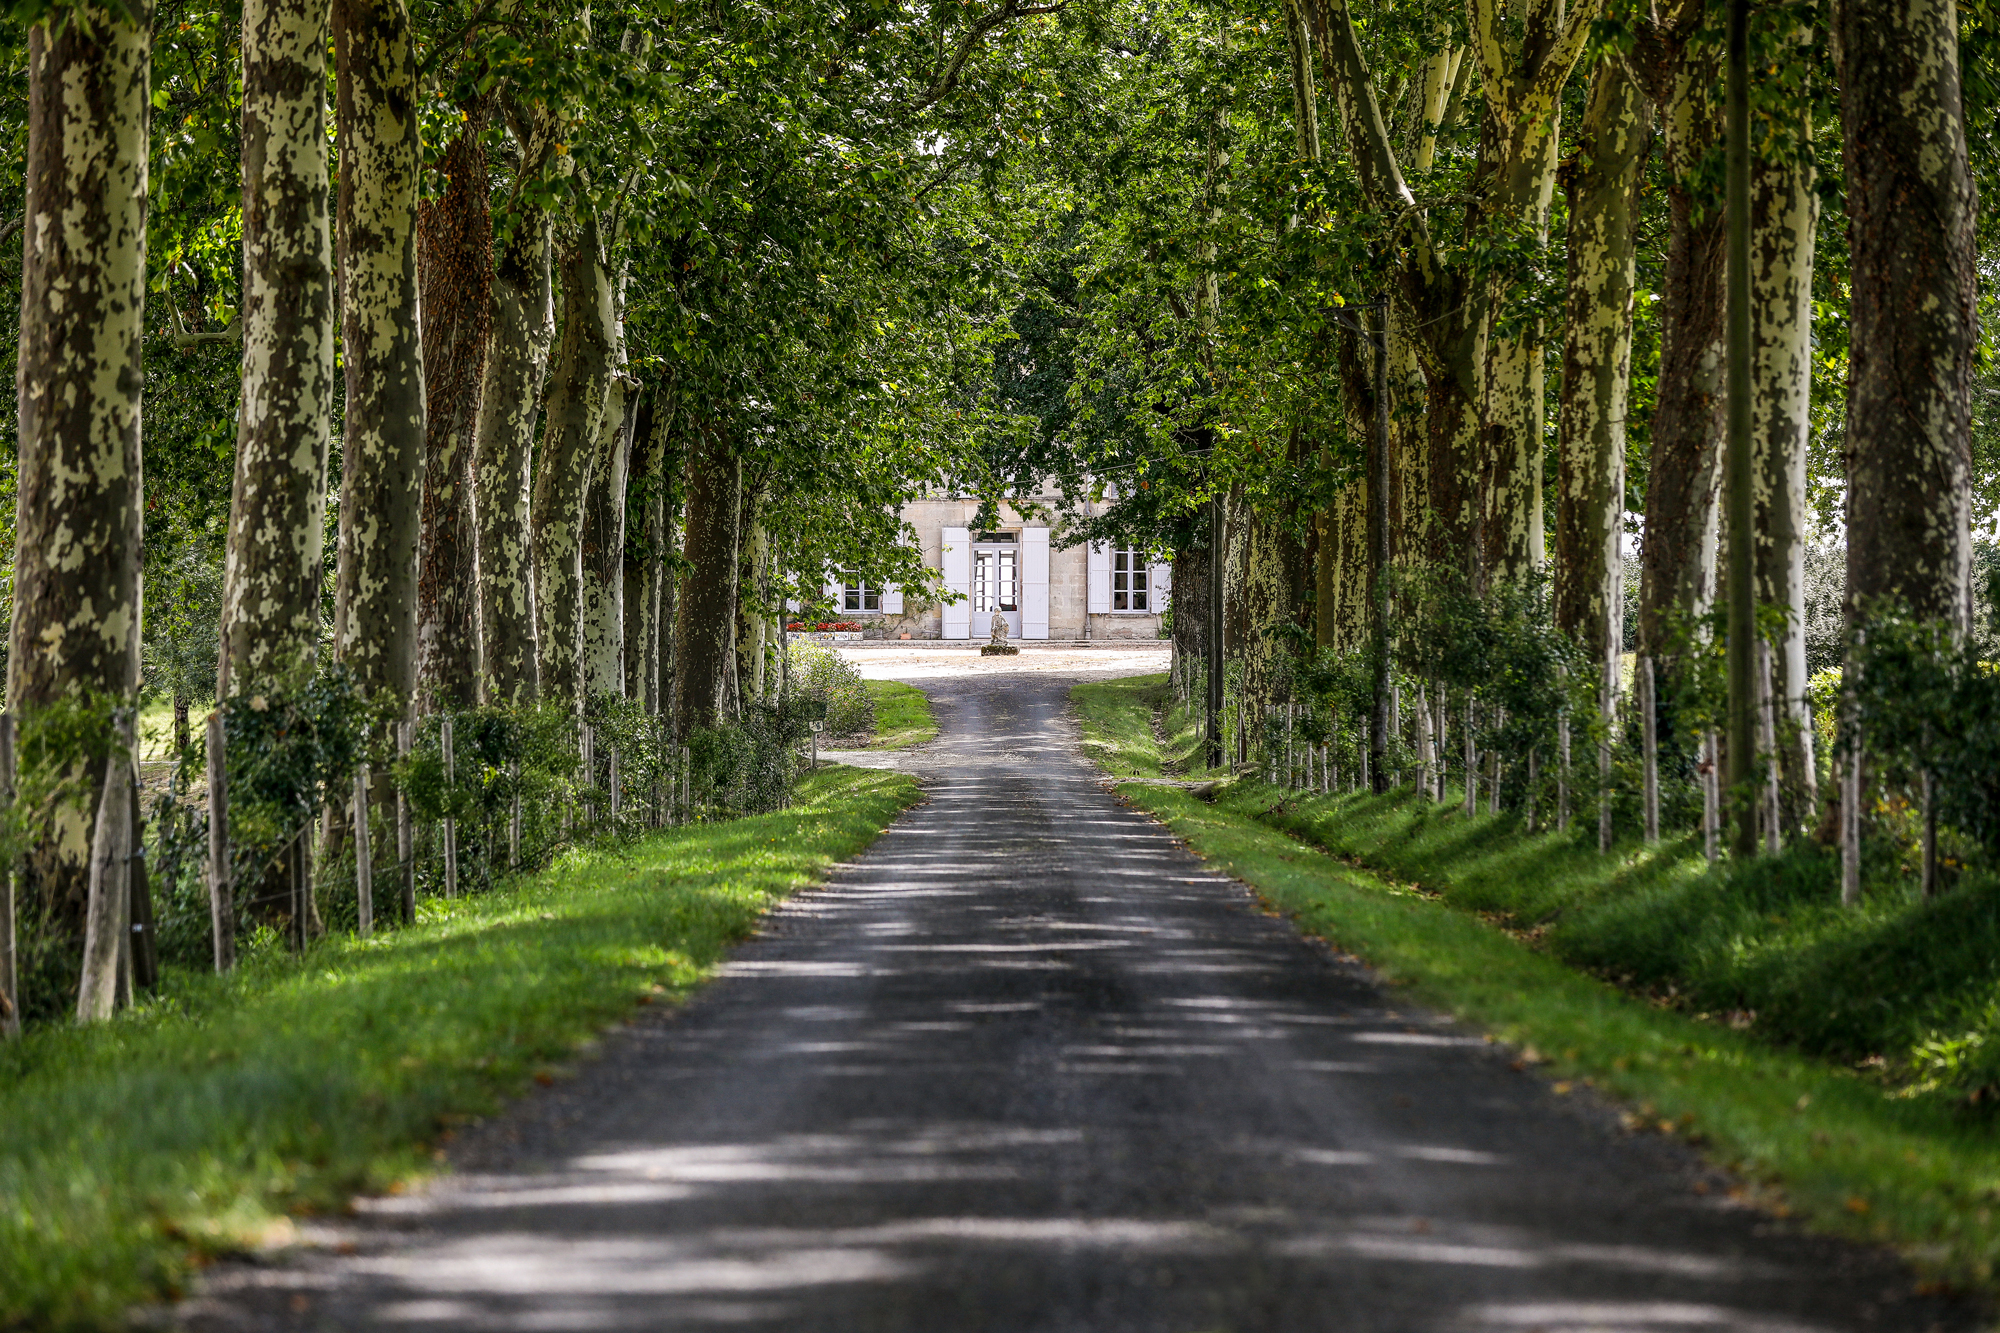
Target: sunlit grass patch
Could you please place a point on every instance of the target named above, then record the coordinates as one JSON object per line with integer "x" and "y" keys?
{"x": 902, "y": 716}
{"x": 203, "y": 1120}
{"x": 1482, "y": 920}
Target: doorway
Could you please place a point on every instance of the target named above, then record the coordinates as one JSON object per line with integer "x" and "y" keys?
{"x": 996, "y": 583}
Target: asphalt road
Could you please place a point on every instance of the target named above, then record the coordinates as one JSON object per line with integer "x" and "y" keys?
{"x": 1027, "y": 1065}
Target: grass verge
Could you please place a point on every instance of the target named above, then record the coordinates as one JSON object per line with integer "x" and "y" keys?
{"x": 1807, "y": 1136}
{"x": 199, "y": 1123}
{"x": 902, "y": 716}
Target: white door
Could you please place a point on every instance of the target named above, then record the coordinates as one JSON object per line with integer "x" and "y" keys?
{"x": 1034, "y": 583}
{"x": 956, "y": 565}
{"x": 996, "y": 587}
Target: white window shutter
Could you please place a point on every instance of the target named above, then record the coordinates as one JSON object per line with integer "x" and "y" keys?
{"x": 834, "y": 590}
{"x": 957, "y": 567}
{"x": 1034, "y": 583}
{"x": 1159, "y": 582}
{"x": 1097, "y": 578}
{"x": 892, "y": 599}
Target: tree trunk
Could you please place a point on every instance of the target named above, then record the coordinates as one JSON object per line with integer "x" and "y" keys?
{"x": 569, "y": 441}
{"x": 654, "y": 586}
{"x": 1677, "y": 561}
{"x": 1784, "y": 222}
{"x": 1597, "y": 362}
{"x": 78, "y": 520}
{"x": 523, "y": 326}
{"x": 753, "y": 555}
{"x": 603, "y": 561}
{"x": 457, "y": 234}
{"x": 272, "y": 567}
{"x": 1911, "y": 210}
{"x": 1190, "y": 637}
{"x": 704, "y": 626}
{"x": 382, "y": 449}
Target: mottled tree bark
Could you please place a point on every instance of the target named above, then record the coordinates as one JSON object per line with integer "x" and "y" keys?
{"x": 1597, "y": 363}
{"x": 1784, "y": 223}
{"x": 272, "y": 566}
{"x": 77, "y": 593}
{"x": 1910, "y": 209}
{"x": 523, "y": 326}
{"x": 705, "y": 624}
{"x": 569, "y": 441}
{"x": 382, "y": 449}
{"x": 1678, "y": 559}
{"x": 603, "y": 561}
{"x": 752, "y": 623}
{"x": 457, "y": 231}
{"x": 1190, "y": 636}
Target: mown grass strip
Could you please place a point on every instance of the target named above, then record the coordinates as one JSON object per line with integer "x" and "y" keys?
{"x": 1808, "y": 1137}
{"x": 136, "y": 1150}
{"x": 902, "y": 716}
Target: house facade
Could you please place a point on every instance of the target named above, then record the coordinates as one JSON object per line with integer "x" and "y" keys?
{"x": 1014, "y": 570}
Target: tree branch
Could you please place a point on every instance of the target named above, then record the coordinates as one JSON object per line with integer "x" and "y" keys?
{"x": 186, "y": 341}
{"x": 1007, "y": 13}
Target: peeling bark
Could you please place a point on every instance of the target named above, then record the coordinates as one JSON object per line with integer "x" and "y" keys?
{"x": 78, "y": 521}
{"x": 382, "y": 449}
{"x": 457, "y": 233}
{"x": 562, "y": 481}
{"x": 1784, "y": 223}
{"x": 272, "y": 565}
{"x": 523, "y": 326}
{"x": 1911, "y": 211}
{"x": 704, "y": 626}
{"x": 603, "y": 563}
{"x": 1678, "y": 559}
{"x": 1604, "y": 215}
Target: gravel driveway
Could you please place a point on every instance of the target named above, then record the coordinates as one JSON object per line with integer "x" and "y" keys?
{"x": 1027, "y": 1065}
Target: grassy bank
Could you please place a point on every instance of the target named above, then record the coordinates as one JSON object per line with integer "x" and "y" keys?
{"x": 902, "y": 716}
{"x": 199, "y": 1122}
{"x": 1488, "y": 923}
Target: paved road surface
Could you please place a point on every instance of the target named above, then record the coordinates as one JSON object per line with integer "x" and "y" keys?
{"x": 1028, "y": 1066}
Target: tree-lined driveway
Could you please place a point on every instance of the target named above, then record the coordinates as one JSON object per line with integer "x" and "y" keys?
{"x": 1028, "y": 1065}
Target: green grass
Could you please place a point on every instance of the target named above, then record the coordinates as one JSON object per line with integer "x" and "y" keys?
{"x": 200, "y": 1122}
{"x": 1849, "y": 1151}
{"x": 902, "y": 716}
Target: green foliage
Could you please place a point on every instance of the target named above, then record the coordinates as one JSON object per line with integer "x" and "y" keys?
{"x": 823, "y": 675}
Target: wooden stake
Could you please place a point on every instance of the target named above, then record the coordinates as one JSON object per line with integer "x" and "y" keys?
{"x": 1649, "y": 732}
{"x": 450, "y": 824}
{"x": 1471, "y": 763}
{"x": 1767, "y": 736}
{"x": 1850, "y": 823}
{"x": 221, "y": 884}
{"x": 145, "y": 941}
{"x": 10, "y": 994}
{"x": 514, "y": 818}
{"x": 406, "y": 860}
{"x": 615, "y": 792}
{"x": 1711, "y": 796}
{"x": 364, "y": 868}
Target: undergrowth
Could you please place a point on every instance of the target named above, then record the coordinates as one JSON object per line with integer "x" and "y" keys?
{"x": 199, "y": 1122}
{"x": 1840, "y": 1055}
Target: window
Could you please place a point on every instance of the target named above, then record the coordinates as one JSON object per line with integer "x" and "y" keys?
{"x": 1128, "y": 579}
{"x": 995, "y": 581}
{"x": 856, "y": 595}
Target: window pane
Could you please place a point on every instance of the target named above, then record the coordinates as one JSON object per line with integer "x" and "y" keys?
{"x": 871, "y": 599}
{"x": 852, "y": 600}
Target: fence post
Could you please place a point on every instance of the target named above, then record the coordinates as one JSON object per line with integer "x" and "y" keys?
{"x": 450, "y": 824}
{"x": 514, "y": 819}
{"x": 615, "y": 793}
{"x": 1649, "y": 733}
{"x": 1562, "y": 775}
{"x": 145, "y": 942}
{"x": 1767, "y": 745}
{"x": 221, "y": 885}
{"x": 10, "y": 995}
{"x": 364, "y": 868}
{"x": 1471, "y": 761}
{"x": 1711, "y": 795}
{"x": 687, "y": 785}
{"x": 405, "y": 854}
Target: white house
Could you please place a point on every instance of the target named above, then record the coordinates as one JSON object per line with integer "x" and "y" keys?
{"x": 1014, "y": 570}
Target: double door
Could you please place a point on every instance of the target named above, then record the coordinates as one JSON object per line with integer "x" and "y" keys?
{"x": 996, "y": 588}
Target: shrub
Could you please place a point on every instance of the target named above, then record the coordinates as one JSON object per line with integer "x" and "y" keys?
{"x": 824, "y": 676}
